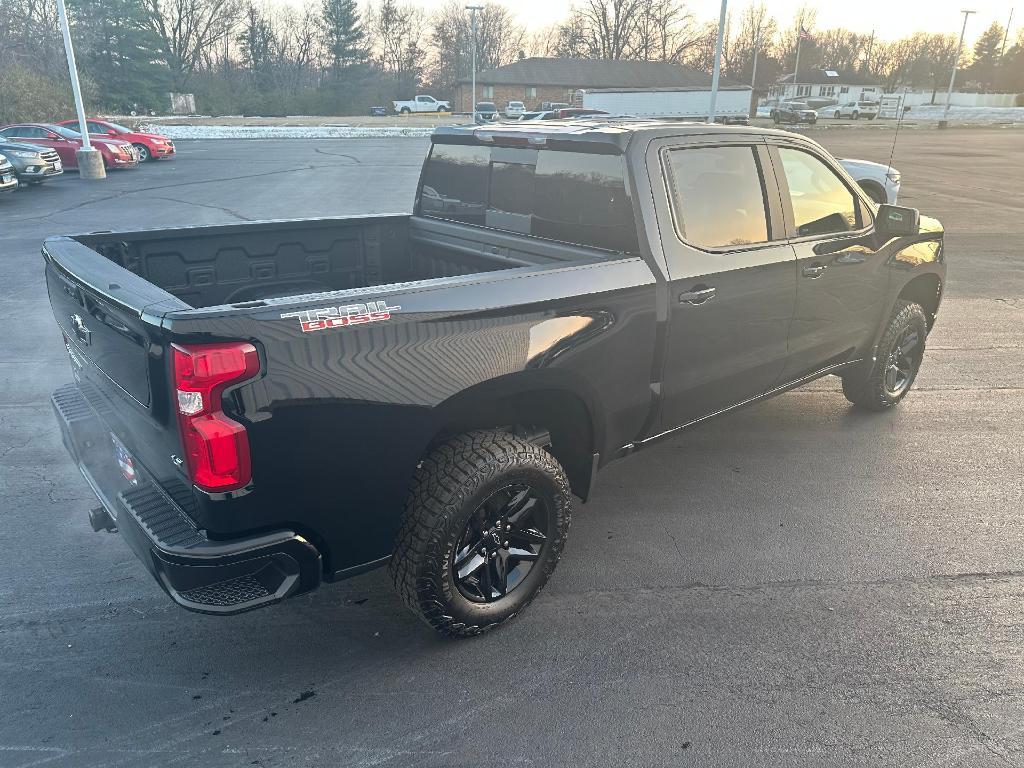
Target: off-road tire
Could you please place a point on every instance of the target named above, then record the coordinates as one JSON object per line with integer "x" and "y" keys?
{"x": 449, "y": 486}
{"x": 865, "y": 386}
{"x": 405, "y": 111}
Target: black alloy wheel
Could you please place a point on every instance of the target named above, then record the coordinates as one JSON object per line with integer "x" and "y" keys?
{"x": 902, "y": 363}
{"x": 884, "y": 381}
{"x": 485, "y": 523}
{"x": 502, "y": 540}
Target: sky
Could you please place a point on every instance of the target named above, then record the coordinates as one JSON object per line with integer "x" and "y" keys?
{"x": 891, "y": 19}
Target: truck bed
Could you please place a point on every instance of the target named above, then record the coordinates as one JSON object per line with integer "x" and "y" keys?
{"x": 241, "y": 263}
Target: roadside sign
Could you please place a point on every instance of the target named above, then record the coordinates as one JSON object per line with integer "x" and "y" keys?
{"x": 890, "y": 107}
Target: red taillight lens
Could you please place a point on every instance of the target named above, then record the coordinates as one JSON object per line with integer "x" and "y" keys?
{"x": 216, "y": 447}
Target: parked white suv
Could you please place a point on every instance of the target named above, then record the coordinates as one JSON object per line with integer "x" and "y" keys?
{"x": 881, "y": 182}
{"x": 515, "y": 109}
{"x": 854, "y": 109}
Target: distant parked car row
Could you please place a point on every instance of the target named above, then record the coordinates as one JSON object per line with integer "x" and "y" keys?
{"x": 35, "y": 152}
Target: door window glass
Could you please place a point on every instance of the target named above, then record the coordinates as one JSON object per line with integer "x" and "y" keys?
{"x": 822, "y": 203}
{"x": 718, "y": 196}
{"x": 573, "y": 197}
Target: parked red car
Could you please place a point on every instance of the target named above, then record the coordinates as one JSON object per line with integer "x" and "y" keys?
{"x": 65, "y": 142}
{"x": 151, "y": 146}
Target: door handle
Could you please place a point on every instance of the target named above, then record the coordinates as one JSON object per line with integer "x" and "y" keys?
{"x": 699, "y": 294}
{"x": 814, "y": 271}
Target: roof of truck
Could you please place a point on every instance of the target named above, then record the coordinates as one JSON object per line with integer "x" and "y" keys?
{"x": 616, "y": 131}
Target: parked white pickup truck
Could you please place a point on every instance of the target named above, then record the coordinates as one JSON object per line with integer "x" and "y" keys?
{"x": 422, "y": 103}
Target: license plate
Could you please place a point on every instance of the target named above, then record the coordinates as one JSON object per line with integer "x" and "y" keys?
{"x": 7, "y": 178}
{"x": 57, "y": 166}
{"x": 124, "y": 461}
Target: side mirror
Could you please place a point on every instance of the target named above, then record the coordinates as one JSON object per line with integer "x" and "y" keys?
{"x": 111, "y": 132}
{"x": 897, "y": 221}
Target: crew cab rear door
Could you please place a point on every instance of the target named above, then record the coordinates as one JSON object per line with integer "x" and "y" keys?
{"x": 732, "y": 272}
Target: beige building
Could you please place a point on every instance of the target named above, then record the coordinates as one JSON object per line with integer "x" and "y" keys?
{"x": 537, "y": 80}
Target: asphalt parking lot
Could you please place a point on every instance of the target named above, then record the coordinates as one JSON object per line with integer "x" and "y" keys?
{"x": 795, "y": 584}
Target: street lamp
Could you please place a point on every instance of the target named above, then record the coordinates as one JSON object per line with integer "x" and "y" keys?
{"x": 472, "y": 10}
{"x": 952, "y": 75}
{"x": 718, "y": 64}
{"x": 90, "y": 161}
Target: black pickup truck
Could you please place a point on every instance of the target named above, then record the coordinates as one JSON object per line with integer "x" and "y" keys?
{"x": 262, "y": 407}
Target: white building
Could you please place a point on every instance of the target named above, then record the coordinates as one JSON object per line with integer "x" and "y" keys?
{"x": 821, "y": 87}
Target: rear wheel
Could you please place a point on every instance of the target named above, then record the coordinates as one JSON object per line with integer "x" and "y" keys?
{"x": 484, "y": 526}
{"x": 887, "y": 380}
{"x": 856, "y": 115}
{"x": 405, "y": 111}
{"x": 144, "y": 153}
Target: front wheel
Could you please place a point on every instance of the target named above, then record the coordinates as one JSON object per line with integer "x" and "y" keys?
{"x": 144, "y": 154}
{"x": 484, "y": 526}
{"x": 897, "y": 361}
{"x": 856, "y": 115}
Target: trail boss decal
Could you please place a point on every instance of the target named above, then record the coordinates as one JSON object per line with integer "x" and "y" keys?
{"x": 340, "y": 317}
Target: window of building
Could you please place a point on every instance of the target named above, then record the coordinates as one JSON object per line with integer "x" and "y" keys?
{"x": 868, "y": 89}
{"x": 531, "y": 92}
{"x": 803, "y": 90}
{"x": 718, "y": 196}
{"x": 844, "y": 89}
{"x": 827, "y": 90}
{"x": 822, "y": 203}
{"x": 571, "y": 197}
{"x": 488, "y": 91}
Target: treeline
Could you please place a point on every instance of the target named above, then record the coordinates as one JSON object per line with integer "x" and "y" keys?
{"x": 337, "y": 57}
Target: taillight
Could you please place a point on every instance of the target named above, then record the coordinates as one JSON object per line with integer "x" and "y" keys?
{"x": 216, "y": 447}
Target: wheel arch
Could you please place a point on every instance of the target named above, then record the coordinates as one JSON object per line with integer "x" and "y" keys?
{"x": 925, "y": 290}
{"x": 551, "y": 401}
{"x": 875, "y": 190}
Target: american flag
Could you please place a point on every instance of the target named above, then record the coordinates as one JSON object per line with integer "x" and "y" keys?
{"x": 804, "y": 34}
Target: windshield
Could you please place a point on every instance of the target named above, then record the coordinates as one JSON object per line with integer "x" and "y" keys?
{"x": 118, "y": 128}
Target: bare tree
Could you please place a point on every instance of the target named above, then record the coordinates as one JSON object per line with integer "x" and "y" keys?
{"x": 500, "y": 40}
{"x": 187, "y": 29}
{"x": 395, "y": 32}
{"x": 664, "y": 30}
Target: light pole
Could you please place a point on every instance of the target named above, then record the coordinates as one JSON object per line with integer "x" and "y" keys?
{"x": 90, "y": 161}
{"x": 718, "y": 63}
{"x": 472, "y": 11}
{"x": 753, "y": 76}
{"x": 952, "y": 75}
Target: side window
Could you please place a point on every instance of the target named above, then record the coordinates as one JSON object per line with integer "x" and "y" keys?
{"x": 572, "y": 197}
{"x": 822, "y": 203}
{"x": 718, "y": 196}
{"x": 92, "y": 127}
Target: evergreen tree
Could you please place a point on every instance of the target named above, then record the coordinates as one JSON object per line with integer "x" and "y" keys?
{"x": 118, "y": 51}
{"x": 343, "y": 34}
{"x": 986, "y": 55}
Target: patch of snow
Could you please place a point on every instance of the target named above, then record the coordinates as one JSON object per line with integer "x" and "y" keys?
{"x": 290, "y": 131}
{"x": 967, "y": 114}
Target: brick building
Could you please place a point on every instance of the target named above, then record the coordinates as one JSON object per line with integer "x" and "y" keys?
{"x": 538, "y": 79}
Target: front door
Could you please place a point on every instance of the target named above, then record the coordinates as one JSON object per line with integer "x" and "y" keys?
{"x": 732, "y": 276}
{"x": 842, "y": 278}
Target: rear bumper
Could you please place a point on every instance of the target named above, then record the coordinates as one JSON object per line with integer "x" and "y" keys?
{"x": 203, "y": 575}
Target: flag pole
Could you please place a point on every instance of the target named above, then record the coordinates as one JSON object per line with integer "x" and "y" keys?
{"x": 796, "y": 69}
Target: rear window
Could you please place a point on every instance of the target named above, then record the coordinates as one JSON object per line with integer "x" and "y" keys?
{"x": 571, "y": 197}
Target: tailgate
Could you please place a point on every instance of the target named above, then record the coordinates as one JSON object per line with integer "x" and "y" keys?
{"x": 108, "y": 312}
